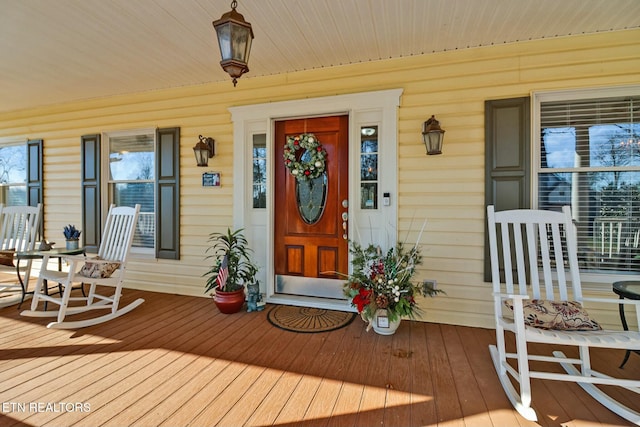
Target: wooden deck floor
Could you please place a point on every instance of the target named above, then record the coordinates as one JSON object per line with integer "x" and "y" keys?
{"x": 176, "y": 361}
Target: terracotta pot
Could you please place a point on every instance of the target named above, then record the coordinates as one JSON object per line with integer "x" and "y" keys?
{"x": 229, "y": 302}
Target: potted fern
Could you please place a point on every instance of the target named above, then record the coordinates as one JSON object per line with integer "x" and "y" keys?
{"x": 231, "y": 270}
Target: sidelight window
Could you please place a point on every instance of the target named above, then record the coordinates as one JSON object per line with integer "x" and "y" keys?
{"x": 369, "y": 167}
{"x": 260, "y": 170}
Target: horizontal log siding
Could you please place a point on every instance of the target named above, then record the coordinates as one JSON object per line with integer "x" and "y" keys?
{"x": 447, "y": 190}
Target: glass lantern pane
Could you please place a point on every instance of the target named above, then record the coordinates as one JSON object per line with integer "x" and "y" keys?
{"x": 224, "y": 40}
{"x": 247, "y": 49}
{"x": 239, "y": 39}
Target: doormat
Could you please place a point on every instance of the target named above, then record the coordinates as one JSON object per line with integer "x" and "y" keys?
{"x": 308, "y": 320}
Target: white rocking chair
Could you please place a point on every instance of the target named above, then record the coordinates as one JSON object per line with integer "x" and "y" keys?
{"x": 18, "y": 233}
{"x": 538, "y": 260}
{"x": 112, "y": 254}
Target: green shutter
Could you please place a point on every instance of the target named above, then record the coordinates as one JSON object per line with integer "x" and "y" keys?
{"x": 34, "y": 178}
{"x": 34, "y": 172}
{"x": 507, "y": 158}
{"x": 168, "y": 193}
{"x": 90, "y": 181}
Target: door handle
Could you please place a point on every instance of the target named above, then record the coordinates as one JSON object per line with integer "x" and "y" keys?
{"x": 345, "y": 219}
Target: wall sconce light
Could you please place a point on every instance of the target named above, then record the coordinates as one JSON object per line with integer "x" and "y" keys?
{"x": 204, "y": 150}
{"x": 234, "y": 38}
{"x": 433, "y": 136}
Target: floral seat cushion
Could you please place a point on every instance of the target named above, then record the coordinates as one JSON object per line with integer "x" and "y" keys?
{"x": 558, "y": 315}
{"x": 97, "y": 270}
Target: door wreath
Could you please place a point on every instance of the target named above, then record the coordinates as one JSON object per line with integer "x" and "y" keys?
{"x": 311, "y": 163}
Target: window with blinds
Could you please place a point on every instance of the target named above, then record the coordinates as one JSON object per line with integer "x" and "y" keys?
{"x": 588, "y": 157}
{"x": 13, "y": 175}
{"x": 132, "y": 180}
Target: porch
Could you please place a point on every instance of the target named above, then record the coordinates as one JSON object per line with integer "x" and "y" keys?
{"x": 176, "y": 361}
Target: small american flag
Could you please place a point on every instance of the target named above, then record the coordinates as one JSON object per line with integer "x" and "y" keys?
{"x": 223, "y": 273}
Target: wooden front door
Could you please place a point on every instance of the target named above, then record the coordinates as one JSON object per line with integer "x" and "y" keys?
{"x": 310, "y": 244}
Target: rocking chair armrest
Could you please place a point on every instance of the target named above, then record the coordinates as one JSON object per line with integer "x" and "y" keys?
{"x": 510, "y": 296}
{"x": 102, "y": 261}
{"x": 72, "y": 260}
{"x": 613, "y": 301}
{"x": 75, "y": 261}
{"x": 83, "y": 258}
{"x": 625, "y": 301}
{"x": 517, "y": 307}
{"x": 75, "y": 258}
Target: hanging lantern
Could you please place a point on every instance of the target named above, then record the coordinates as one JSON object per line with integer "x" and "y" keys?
{"x": 234, "y": 38}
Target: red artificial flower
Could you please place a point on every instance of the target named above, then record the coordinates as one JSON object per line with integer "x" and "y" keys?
{"x": 307, "y": 172}
{"x": 362, "y": 299}
{"x": 319, "y": 148}
{"x": 296, "y": 142}
{"x": 287, "y": 161}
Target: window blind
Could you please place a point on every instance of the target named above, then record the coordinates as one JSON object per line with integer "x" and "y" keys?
{"x": 589, "y": 158}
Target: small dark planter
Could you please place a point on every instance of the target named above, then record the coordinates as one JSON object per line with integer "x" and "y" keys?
{"x": 229, "y": 302}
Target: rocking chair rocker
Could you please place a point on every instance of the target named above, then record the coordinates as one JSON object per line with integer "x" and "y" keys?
{"x": 107, "y": 269}
{"x": 537, "y": 260}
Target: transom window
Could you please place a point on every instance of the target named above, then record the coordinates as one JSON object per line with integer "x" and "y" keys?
{"x": 588, "y": 157}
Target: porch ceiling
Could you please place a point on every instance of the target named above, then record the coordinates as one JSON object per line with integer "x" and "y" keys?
{"x": 64, "y": 50}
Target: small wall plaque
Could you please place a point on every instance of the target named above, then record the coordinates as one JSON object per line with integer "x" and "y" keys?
{"x": 383, "y": 321}
{"x": 211, "y": 179}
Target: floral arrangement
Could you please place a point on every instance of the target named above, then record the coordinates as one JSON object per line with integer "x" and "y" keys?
{"x": 71, "y": 232}
{"x": 311, "y": 163}
{"x": 384, "y": 281}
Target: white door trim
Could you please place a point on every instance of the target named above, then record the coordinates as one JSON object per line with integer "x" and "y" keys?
{"x": 366, "y": 108}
